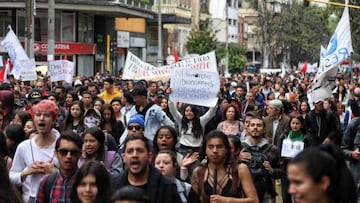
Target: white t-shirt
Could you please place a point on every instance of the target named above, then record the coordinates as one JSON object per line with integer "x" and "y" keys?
{"x": 26, "y": 153}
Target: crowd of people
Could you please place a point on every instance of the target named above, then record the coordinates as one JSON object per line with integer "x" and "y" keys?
{"x": 104, "y": 139}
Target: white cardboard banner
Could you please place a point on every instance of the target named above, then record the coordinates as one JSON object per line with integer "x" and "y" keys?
{"x": 198, "y": 87}
{"x": 27, "y": 70}
{"x": 136, "y": 69}
{"x": 61, "y": 70}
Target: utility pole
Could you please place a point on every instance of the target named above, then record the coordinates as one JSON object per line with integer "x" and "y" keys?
{"x": 29, "y": 7}
{"x": 160, "y": 53}
{"x": 226, "y": 40}
{"x": 51, "y": 30}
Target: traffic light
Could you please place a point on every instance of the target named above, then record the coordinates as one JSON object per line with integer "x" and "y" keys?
{"x": 113, "y": 46}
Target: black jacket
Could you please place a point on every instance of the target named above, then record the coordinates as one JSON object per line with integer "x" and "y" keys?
{"x": 158, "y": 187}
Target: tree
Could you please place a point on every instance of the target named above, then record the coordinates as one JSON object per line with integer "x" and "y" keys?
{"x": 202, "y": 38}
{"x": 297, "y": 31}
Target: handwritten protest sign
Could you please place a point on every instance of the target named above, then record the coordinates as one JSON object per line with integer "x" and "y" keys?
{"x": 136, "y": 69}
{"x": 198, "y": 87}
{"x": 27, "y": 70}
{"x": 61, "y": 70}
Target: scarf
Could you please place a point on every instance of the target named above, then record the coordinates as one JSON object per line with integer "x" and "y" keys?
{"x": 296, "y": 136}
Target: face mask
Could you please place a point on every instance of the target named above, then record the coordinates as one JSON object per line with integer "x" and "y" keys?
{"x": 91, "y": 121}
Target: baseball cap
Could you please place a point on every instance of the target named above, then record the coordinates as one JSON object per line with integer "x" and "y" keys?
{"x": 92, "y": 110}
{"x": 137, "y": 118}
{"x": 35, "y": 96}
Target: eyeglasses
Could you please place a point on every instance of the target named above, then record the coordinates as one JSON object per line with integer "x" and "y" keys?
{"x": 64, "y": 152}
{"x": 137, "y": 127}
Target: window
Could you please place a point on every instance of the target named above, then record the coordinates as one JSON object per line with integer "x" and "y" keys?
{"x": 85, "y": 28}
{"x": 6, "y": 20}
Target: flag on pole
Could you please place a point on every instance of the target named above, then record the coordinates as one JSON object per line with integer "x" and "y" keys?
{"x": 176, "y": 57}
{"x": 338, "y": 50}
{"x": 16, "y": 52}
{"x": 304, "y": 68}
{"x": 322, "y": 52}
{"x": 5, "y": 71}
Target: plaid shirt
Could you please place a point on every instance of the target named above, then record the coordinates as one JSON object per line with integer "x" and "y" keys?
{"x": 60, "y": 190}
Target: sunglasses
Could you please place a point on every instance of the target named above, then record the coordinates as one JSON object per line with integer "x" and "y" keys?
{"x": 64, "y": 152}
{"x": 137, "y": 127}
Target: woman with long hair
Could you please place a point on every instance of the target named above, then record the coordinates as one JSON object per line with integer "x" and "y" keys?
{"x": 304, "y": 108}
{"x": 217, "y": 180}
{"x": 91, "y": 185}
{"x": 231, "y": 124}
{"x": 74, "y": 120}
{"x": 297, "y": 134}
{"x": 14, "y": 135}
{"x": 70, "y": 98}
{"x": 320, "y": 174}
{"x": 191, "y": 128}
{"x": 4, "y": 151}
{"x": 96, "y": 150}
{"x": 21, "y": 117}
{"x": 8, "y": 192}
{"x": 110, "y": 124}
{"x": 117, "y": 105}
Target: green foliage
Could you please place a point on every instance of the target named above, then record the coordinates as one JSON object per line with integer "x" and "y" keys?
{"x": 202, "y": 38}
{"x": 297, "y": 31}
{"x": 237, "y": 58}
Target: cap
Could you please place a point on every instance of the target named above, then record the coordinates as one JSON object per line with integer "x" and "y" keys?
{"x": 77, "y": 83}
{"x": 35, "y": 95}
{"x": 137, "y": 118}
{"x": 92, "y": 110}
{"x": 234, "y": 84}
{"x": 318, "y": 101}
{"x": 277, "y": 104}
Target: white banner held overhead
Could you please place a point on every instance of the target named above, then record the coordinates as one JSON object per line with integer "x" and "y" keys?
{"x": 338, "y": 50}
{"x": 136, "y": 69}
{"x": 198, "y": 87}
{"x": 16, "y": 52}
{"x": 61, "y": 70}
{"x": 27, "y": 70}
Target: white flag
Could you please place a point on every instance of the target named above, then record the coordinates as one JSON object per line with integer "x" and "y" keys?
{"x": 322, "y": 52}
{"x": 16, "y": 52}
{"x": 338, "y": 50}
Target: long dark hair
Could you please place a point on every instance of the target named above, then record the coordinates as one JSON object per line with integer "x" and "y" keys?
{"x": 8, "y": 192}
{"x": 102, "y": 182}
{"x": 173, "y": 133}
{"x": 99, "y": 135}
{"x": 15, "y": 133}
{"x": 342, "y": 187}
{"x": 197, "y": 129}
{"x": 216, "y": 134}
{"x": 4, "y": 151}
{"x": 69, "y": 118}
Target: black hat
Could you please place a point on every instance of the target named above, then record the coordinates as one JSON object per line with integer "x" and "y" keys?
{"x": 35, "y": 96}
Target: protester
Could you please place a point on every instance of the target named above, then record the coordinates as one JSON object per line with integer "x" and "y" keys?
{"x": 98, "y": 104}
{"x": 217, "y": 180}
{"x": 8, "y": 192}
{"x": 4, "y": 152}
{"x": 109, "y": 123}
{"x": 91, "y": 185}
{"x": 129, "y": 194}
{"x": 96, "y": 150}
{"x": 139, "y": 172}
{"x": 320, "y": 174}
{"x": 153, "y": 115}
{"x": 109, "y": 91}
{"x": 57, "y": 186}
{"x": 231, "y": 124}
{"x": 74, "y": 120}
{"x": 35, "y": 157}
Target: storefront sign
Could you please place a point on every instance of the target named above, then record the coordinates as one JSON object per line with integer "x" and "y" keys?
{"x": 123, "y": 39}
{"x": 65, "y": 48}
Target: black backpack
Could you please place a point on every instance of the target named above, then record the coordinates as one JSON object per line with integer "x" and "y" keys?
{"x": 261, "y": 178}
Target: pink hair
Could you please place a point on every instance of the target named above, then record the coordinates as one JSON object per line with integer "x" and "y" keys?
{"x": 46, "y": 106}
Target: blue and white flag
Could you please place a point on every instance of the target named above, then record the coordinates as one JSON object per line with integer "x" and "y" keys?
{"x": 338, "y": 50}
{"x": 16, "y": 52}
{"x": 322, "y": 52}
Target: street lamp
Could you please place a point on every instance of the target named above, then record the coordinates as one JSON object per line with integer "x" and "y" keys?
{"x": 160, "y": 54}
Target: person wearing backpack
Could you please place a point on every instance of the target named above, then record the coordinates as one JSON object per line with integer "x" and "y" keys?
{"x": 262, "y": 158}
{"x": 95, "y": 150}
{"x": 56, "y": 187}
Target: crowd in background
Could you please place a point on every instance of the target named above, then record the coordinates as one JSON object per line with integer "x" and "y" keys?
{"x": 104, "y": 139}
